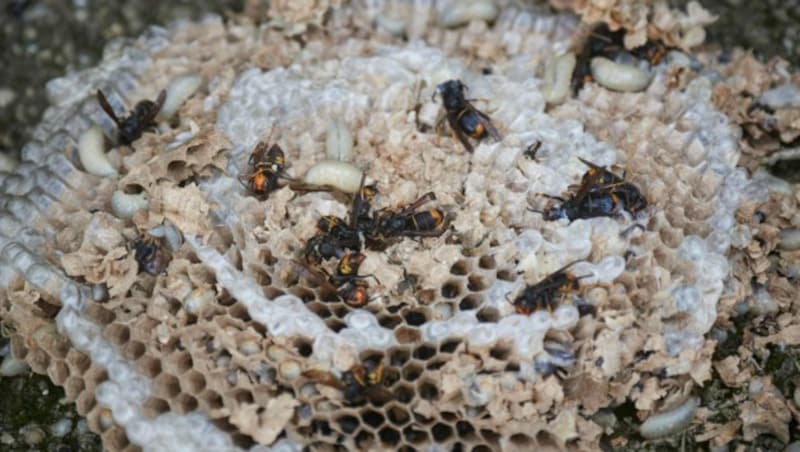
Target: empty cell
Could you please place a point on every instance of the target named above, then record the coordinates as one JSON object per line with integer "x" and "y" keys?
{"x": 372, "y": 418}
{"x": 476, "y": 283}
{"x": 507, "y": 275}
{"x": 154, "y": 406}
{"x": 389, "y": 436}
{"x": 133, "y": 350}
{"x": 364, "y": 439}
{"x": 73, "y": 387}
{"x": 411, "y": 371}
{"x": 487, "y": 262}
{"x": 319, "y": 309}
{"x": 389, "y": 321}
{"x": 471, "y": 301}
{"x": 58, "y": 371}
{"x": 149, "y": 366}
{"x": 239, "y": 311}
{"x": 452, "y": 289}
{"x": 303, "y": 347}
{"x": 449, "y": 346}
{"x": 166, "y": 386}
{"x": 98, "y": 314}
{"x": 500, "y": 351}
{"x": 415, "y": 436}
{"x": 428, "y": 390}
{"x": 441, "y": 432}
{"x": 347, "y": 424}
{"x": 404, "y": 392}
{"x": 184, "y": 403}
{"x": 547, "y": 440}
{"x": 407, "y": 335}
{"x": 488, "y": 314}
{"x": 193, "y": 381}
{"x": 465, "y": 430}
{"x": 115, "y": 438}
{"x": 415, "y": 317}
{"x": 460, "y": 268}
{"x": 398, "y": 356}
{"x": 491, "y": 437}
{"x": 211, "y": 400}
{"x": 397, "y": 415}
{"x": 77, "y": 361}
{"x": 178, "y": 363}
{"x": 424, "y": 352}
{"x": 522, "y": 441}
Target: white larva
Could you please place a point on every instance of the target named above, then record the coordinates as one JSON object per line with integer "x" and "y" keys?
{"x": 126, "y": 205}
{"x": 557, "y": 78}
{"x": 461, "y": 12}
{"x": 789, "y": 239}
{"x": 339, "y": 142}
{"x": 8, "y": 163}
{"x": 341, "y": 175}
{"x": 198, "y": 299}
{"x": 671, "y": 421}
{"x": 91, "y": 152}
{"x": 178, "y": 91}
{"x": 619, "y": 77}
{"x": 169, "y": 232}
{"x": 12, "y": 367}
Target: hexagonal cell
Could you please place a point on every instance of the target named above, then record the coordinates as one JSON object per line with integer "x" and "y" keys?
{"x": 548, "y": 441}
{"x": 415, "y": 436}
{"x": 398, "y": 356}
{"x": 449, "y": 345}
{"x": 115, "y": 438}
{"x": 466, "y": 431}
{"x": 211, "y": 400}
{"x": 372, "y": 418}
{"x": 471, "y": 301}
{"x": 85, "y": 402}
{"x": 461, "y": 268}
{"x": 178, "y": 363}
{"x": 241, "y": 395}
{"x": 149, "y": 366}
{"x": 487, "y": 262}
{"x": 365, "y": 439}
{"x": 522, "y": 441}
{"x": 239, "y": 311}
{"x": 154, "y": 406}
{"x": 441, "y": 432}
{"x": 94, "y": 376}
{"x": 389, "y": 436}
{"x": 452, "y": 288}
{"x": 133, "y": 350}
{"x": 508, "y": 275}
{"x": 481, "y": 448}
{"x": 166, "y": 386}
{"x": 193, "y": 381}
{"x": 407, "y": 335}
{"x": 389, "y": 321}
{"x": 335, "y": 324}
{"x": 491, "y": 437}
{"x": 58, "y": 371}
{"x": 77, "y": 362}
{"x": 184, "y": 403}
{"x": 424, "y": 352}
{"x": 477, "y": 283}
{"x": 404, "y": 392}
{"x": 98, "y": 314}
{"x": 117, "y": 333}
{"x": 416, "y": 317}
{"x": 397, "y": 414}
{"x": 38, "y": 360}
{"x": 303, "y": 293}
{"x": 488, "y": 314}
{"x": 427, "y": 390}
{"x": 73, "y": 387}
{"x": 347, "y": 424}
{"x": 411, "y": 371}
{"x": 319, "y": 309}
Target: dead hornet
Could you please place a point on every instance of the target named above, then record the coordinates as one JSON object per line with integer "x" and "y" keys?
{"x": 265, "y": 169}
{"x": 465, "y": 120}
{"x": 151, "y": 254}
{"x": 345, "y": 282}
{"x": 140, "y": 118}
{"x": 406, "y": 221}
{"x": 547, "y": 293}
{"x": 334, "y": 236}
{"x": 602, "y": 42}
{"x": 362, "y": 381}
{"x": 600, "y": 194}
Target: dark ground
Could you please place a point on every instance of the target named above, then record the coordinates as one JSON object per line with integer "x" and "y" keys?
{"x": 43, "y": 39}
